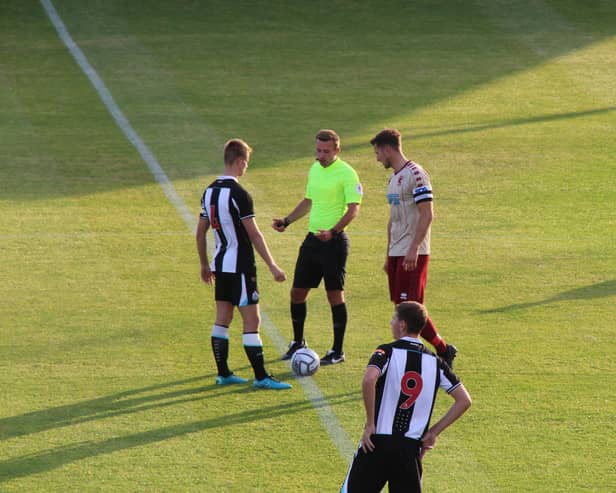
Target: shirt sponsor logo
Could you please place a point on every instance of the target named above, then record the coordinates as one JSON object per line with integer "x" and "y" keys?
{"x": 393, "y": 198}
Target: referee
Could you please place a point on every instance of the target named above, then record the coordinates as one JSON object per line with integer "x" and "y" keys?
{"x": 227, "y": 208}
{"x": 399, "y": 389}
{"x": 333, "y": 196}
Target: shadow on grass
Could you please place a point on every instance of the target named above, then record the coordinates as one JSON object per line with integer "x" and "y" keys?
{"x": 516, "y": 122}
{"x": 60, "y": 150}
{"x": 127, "y": 402}
{"x": 122, "y": 403}
{"x": 464, "y": 129}
{"x": 58, "y": 456}
{"x": 599, "y": 290}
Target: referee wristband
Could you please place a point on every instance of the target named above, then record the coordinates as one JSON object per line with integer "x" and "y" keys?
{"x": 286, "y": 222}
{"x": 334, "y": 232}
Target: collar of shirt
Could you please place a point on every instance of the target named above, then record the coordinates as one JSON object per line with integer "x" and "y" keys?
{"x": 411, "y": 339}
{"x": 225, "y": 177}
{"x": 331, "y": 165}
{"x": 406, "y": 165}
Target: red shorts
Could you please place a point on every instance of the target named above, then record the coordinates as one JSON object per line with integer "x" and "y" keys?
{"x": 407, "y": 285}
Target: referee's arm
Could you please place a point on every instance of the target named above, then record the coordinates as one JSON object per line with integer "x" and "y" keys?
{"x": 350, "y": 214}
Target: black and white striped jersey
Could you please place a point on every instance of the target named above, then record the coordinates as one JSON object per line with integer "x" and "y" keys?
{"x": 224, "y": 204}
{"x": 406, "y": 389}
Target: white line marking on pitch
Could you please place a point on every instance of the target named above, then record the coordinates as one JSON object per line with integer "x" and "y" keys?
{"x": 339, "y": 436}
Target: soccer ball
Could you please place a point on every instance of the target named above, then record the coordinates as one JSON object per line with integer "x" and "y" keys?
{"x": 305, "y": 362}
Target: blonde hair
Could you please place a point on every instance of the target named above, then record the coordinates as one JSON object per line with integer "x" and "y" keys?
{"x": 236, "y": 148}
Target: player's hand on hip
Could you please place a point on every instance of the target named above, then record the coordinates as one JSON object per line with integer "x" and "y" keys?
{"x": 366, "y": 439}
{"x": 428, "y": 442}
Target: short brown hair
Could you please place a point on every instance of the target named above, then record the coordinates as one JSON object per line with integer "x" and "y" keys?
{"x": 389, "y": 136}
{"x": 236, "y": 148}
{"x": 414, "y": 314}
{"x": 327, "y": 135}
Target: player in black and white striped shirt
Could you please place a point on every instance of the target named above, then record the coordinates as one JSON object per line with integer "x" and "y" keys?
{"x": 227, "y": 208}
{"x": 399, "y": 389}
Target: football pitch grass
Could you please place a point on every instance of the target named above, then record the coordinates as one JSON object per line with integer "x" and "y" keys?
{"x": 105, "y": 367}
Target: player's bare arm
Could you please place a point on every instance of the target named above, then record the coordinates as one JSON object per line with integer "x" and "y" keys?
{"x": 303, "y": 208}
{"x": 423, "y": 224}
{"x": 207, "y": 276}
{"x": 462, "y": 401}
{"x": 388, "y": 240}
{"x": 256, "y": 237}
{"x": 369, "y": 393}
{"x": 349, "y": 215}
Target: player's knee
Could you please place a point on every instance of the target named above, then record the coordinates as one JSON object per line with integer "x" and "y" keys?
{"x": 335, "y": 297}
{"x": 298, "y": 295}
{"x": 225, "y": 321}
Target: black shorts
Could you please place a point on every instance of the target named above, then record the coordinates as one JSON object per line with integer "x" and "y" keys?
{"x": 322, "y": 260}
{"x": 394, "y": 460}
{"x": 238, "y": 289}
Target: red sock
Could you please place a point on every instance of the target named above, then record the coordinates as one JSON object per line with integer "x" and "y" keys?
{"x": 430, "y": 334}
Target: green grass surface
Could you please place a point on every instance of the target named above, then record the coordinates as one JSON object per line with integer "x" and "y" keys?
{"x": 105, "y": 365}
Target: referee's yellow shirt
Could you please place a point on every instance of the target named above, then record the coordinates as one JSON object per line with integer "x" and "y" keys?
{"x": 330, "y": 189}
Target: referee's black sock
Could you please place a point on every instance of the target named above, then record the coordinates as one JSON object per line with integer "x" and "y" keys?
{"x": 298, "y": 317}
{"x": 339, "y": 317}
